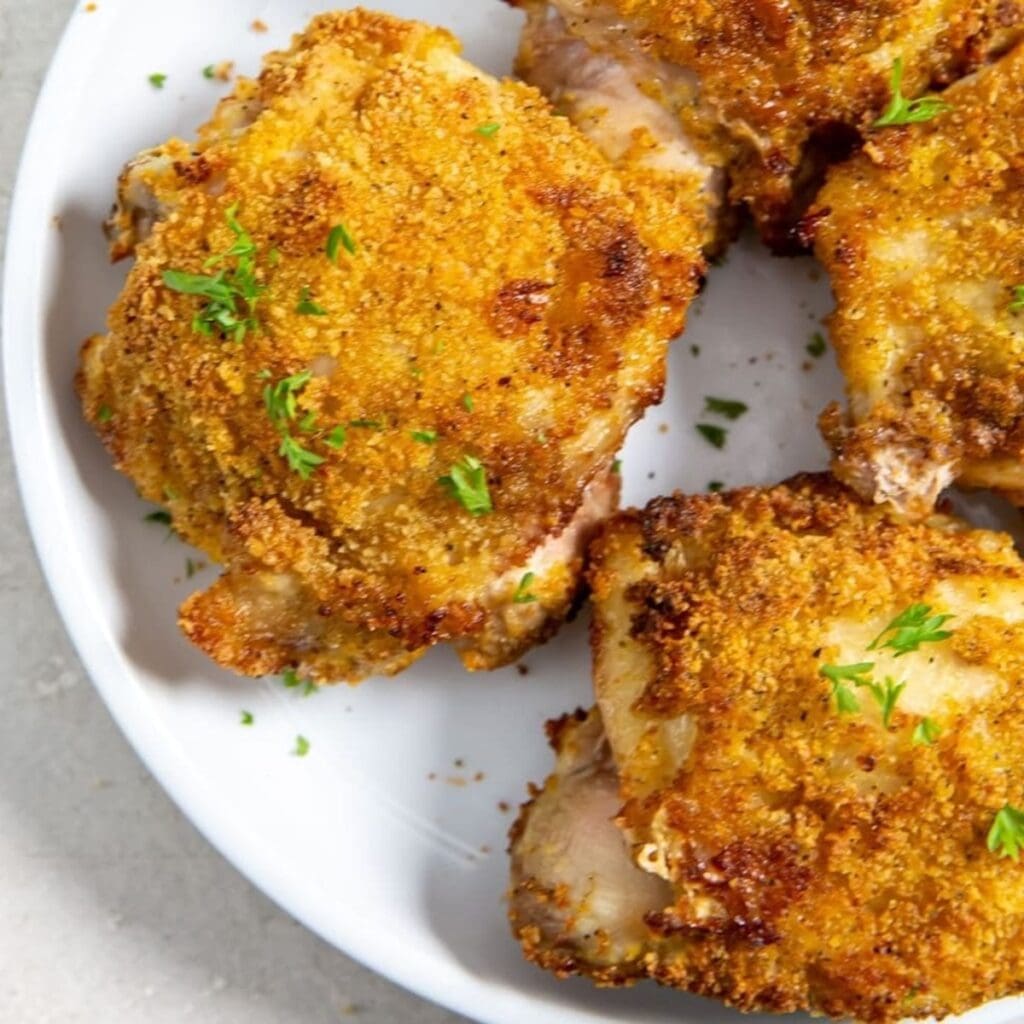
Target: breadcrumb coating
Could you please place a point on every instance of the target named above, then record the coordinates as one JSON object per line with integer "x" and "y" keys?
{"x": 508, "y": 292}
{"x": 818, "y": 860}
{"x": 923, "y": 236}
{"x": 773, "y": 90}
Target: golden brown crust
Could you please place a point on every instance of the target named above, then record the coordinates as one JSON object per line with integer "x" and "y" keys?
{"x": 371, "y": 122}
{"x": 818, "y": 861}
{"x": 785, "y": 86}
{"x": 922, "y": 235}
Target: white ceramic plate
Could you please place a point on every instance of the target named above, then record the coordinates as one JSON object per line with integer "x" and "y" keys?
{"x": 388, "y": 838}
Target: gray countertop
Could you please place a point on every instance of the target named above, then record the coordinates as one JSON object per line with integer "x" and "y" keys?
{"x": 112, "y": 907}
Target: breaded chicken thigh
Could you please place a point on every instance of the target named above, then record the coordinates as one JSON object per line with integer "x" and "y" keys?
{"x": 923, "y": 236}
{"x": 766, "y": 91}
{"x": 812, "y": 709}
{"x": 388, "y": 324}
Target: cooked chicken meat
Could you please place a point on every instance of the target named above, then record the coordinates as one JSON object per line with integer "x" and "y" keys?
{"x": 923, "y": 235}
{"x": 813, "y": 709}
{"x": 770, "y": 91}
{"x": 388, "y": 324}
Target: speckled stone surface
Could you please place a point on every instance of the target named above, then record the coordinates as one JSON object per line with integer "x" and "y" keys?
{"x": 112, "y": 907}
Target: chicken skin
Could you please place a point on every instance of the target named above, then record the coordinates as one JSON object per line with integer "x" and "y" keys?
{"x": 812, "y": 708}
{"x": 766, "y": 92}
{"x": 388, "y": 324}
{"x": 923, "y": 236}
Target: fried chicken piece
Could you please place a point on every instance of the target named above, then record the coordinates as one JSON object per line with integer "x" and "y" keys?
{"x": 822, "y": 846}
{"x": 923, "y": 235}
{"x": 770, "y": 91}
{"x": 443, "y": 310}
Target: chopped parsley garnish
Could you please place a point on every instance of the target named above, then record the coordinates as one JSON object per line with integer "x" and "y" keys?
{"x": 817, "y": 345}
{"x": 488, "y": 130}
{"x": 467, "y": 484}
{"x": 1017, "y": 304}
{"x": 886, "y": 694}
{"x": 425, "y": 436}
{"x": 105, "y": 415}
{"x": 467, "y": 402}
{"x": 300, "y": 460}
{"x": 281, "y": 400}
{"x": 366, "y": 424}
{"x": 926, "y": 732}
{"x": 726, "y": 407}
{"x": 247, "y": 718}
{"x": 617, "y": 467}
{"x": 911, "y": 628}
{"x": 301, "y": 746}
{"x": 1006, "y": 836}
{"x": 307, "y": 307}
{"x": 522, "y": 594}
{"x": 714, "y": 435}
{"x": 715, "y": 486}
{"x": 191, "y": 568}
{"x": 839, "y": 676}
{"x": 161, "y": 515}
{"x": 209, "y": 71}
{"x": 231, "y": 295}
{"x": 157, "y": 80}
{"x": 904, "y": 111}
{"x": 291, "y": 679}
{"x": 336, "y": 438}
{"x": 338, "y": 237}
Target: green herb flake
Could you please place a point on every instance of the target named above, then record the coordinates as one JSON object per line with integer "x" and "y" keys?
{"x": 247, "y": 718}
{"x": 903, "y": 111}
{"x": 467, "y": 402}
{"x": 281, "y": 399}
{"x": 488, "y": 130}
{"x": 522, "y": 594}
{"x": 339, "y": 237}
{"x": 157, "y": 80}
{"x": 912, "y": 627}
{"x": 886, "y": 694}
{"x": 1006, "y": 836}
{"x": 191, "y": 568}
{"x": 466, "y": 482}
{"x": 617, "y": 467}
{"x": 715, "y": 486}
{"x": 300, "y": 460}
{"x": 424, "y": 436}
{"x": 926, "y": 732}
{"x": 726, "y": 407}
{"x": 307, "y": 307}
{"x": 301, "y": 746}
{"x": 161, "y": 516}
{"x": 817, "y": 346}
{"x": 336, "y": 438}
{"x": 232, "y": 294}
{"x": 105, "y": 414}
{"x": 841, "y": 675}
{"x": 714, "y": 435}
{"x": 1017, "y": 303}
{"x": 209, "y": 71}
{"x": 366, "y": 424}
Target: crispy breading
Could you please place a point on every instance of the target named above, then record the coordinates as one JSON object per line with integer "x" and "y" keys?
{"x": 507, "y": 291}
{"x": 923, "y": 236}
{"x": 775, "y": 89}
{"x": 818, "y": 860}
